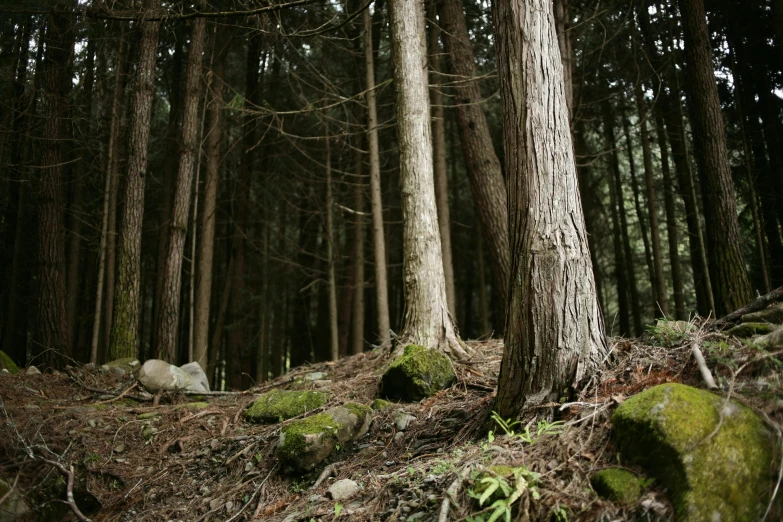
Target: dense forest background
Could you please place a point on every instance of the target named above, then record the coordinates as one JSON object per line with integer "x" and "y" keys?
{"x": 216, "y": 163}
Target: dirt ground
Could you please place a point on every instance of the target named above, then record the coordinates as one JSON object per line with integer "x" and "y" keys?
{"x": 134, "y": 461}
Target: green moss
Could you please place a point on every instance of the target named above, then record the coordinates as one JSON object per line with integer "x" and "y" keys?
{"x": 359, "y": 410}
{"x": 745, "y": 330}
{"x": 8, "y": 363}
{"x": 279, "y": 405}
{"x": 379, "y": 404}
{"x": 617, "y": 485}
{"x": 192, "y": 406}
{"x": 149, "y": 415}
{"x": 293, "y": 441}
{"x": 668, "y": 333}
{"x": 418, "y": 373}
{"x": 669, "y": 429}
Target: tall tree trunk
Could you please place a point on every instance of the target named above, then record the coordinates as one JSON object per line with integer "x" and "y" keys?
{"x": 554, "y": 329}
{"x": 426, "y": 320}
{"x": 379, "y": 242}
{"x": 52, "y": 346}
{"x": 728, "y": 273}
{"x": 166, "y": 347}
{"x": 439, "y": 155}
{"x": 334, "y": 341}
{"x": 562, "y": 22}
{"x": 357, "y": 315}
{"x": 621, "y": 271}
{"x": 126, "y": 310}
{"x": 482, "y": 291}
{"x": 484, "y": 171}
{"x": 659, "y": 288}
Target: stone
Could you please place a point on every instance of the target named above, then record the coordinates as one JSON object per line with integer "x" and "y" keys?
{"x": 149, "y": 415}
{"x": 149, "y": 431}
{"x": 157, "y": 375}
{"x": 14, "y": 505}
{"x": 416, "y": 374}
{"x": 5, "y": 371}
{"x": 723, "y": 474}
{"x": 192, "y": 406}
{"x": 119, "y": 448}
{"x": 379, "y": 404}
{"x": 315, "y": 376}
{"x": 278, "y": 405}
{"x": 7, "y": 363}
{"x": 770, "y": 314}
{"x": 747, "y": 330}
{"x": 617, "y": 485}
{"x": 127, "y": 364}
{"x": 305, "y": 443}
{"x": 402, "y": 420}
{"x": 343, "y": 489}
{"x": 772, "y": 341}
{"x": 32, "y": 370}
{"x": 200, "y": 380}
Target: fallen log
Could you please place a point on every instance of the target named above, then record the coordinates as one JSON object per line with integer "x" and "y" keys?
{"x": 761, "y": 302}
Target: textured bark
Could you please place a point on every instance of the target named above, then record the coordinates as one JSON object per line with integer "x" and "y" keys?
{"x": 560, "y": 8}
{"x": 484, "y": 171}
{"x": 554, "y": 328}
{"x": 439, "y": 156}
{"x": 379, "y": 242}
{"x": 728, "y": 273}
{"x": 51, "y": 347}
{"x": 620, "y": 265}
{"x": 426, "y": 320}
{"x": 357, "y": 315}
{"x": 482, "y": 291}
{"x": 126, "y": 311}
{"x": 334, "y": 342}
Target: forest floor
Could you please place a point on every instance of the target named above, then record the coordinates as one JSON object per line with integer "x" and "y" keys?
{"x": 135, "y": 461}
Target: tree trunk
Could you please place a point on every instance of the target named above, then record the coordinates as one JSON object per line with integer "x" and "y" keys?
{"x": 379, "y": 246}
{"x": 560, "y": 8}
{"x": 620, "y": 262}
{"x": 334, "y": 341}
{"x": 484, "y": 171}
{"x": 126, "y": 310}
{"x": 357, "y": 315}
{"x": 728, "y": 274}
{"x": 554, "y": 329}
{"x": 439, "y": 155}
{"x": 166, "y": 347}
{"x": 426, "y": 319}
{"x": 52, "y": 346}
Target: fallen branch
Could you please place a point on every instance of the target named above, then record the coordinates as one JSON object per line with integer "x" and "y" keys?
{"x": 451, "y": 495}
{"x": 761, "y": 302}
{"x": 120, "y": 396}
{"x": 70, "y": 502}
{"x": 706, "y": 374}
{"x": 10, "y": 490}
{"x": 323, "y": 476}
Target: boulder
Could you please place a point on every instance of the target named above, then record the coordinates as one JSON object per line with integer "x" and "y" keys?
{"x": 343, "y": 489}
{"x": 617, "y": 485}
{"x": 772, "y": 341}
{"x": 7, "y": 363}
{"x": 418, "y": 373}
{"x": 770, "y": 314}
{"x": 379, "y": 404}
{"x": 157, "y": 375}
{"x": 747, "y": 330}
{"x": 716, "y": 460}
{"x": 32, "y": 370}
{"x": 200, "y": 380}
{"x": 279, "y": 405}
{"x": 305, "y": 443}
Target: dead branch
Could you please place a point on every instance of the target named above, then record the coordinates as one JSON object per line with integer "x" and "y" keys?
{"x": 706, "y": 374}
{"x": 451, "y": 495}
{"x": 761, "y": 302}
{"x": 70, "y": 502}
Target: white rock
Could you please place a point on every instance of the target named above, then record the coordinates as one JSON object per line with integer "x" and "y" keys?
{"x": 200, "y": 380}
{"x": 158, "y": 375}
{"x": 32, "y": 370}
{"x": 402, "y": 420}
{"x": 342, "y": 489}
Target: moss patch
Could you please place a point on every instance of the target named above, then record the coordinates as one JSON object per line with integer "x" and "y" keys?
{"x": 379, "y": 404}
{"x": 192, "y": 406}
{"x": 8, "y": 363}
{"x": 669, "y": 429}
{"x": 745, "y": 330}
{"x": 418, "y": 373}
{"x": 359, "y": 410}
{"x": 617, "y": 485}
{"x": 278, "y": 405}
{"x": 306, "y": 442}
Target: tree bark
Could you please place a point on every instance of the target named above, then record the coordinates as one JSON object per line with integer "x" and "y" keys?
{"x": 728, "y": 273}
{"x": 426, "y": 320}
{"x": 484, "y": 170}
{"x": 357, "y": 315}
{"x": 126, "y": 310}
{"x": 334, "y": 341}
{"x": 554, "y": 329}
{"x": 379, "y": 242}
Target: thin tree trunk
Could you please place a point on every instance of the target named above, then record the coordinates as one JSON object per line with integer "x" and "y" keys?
{"x": 620, "y": 262}
{"x": 426, "y": 320}
{"x": 126, "y": 309}
{"x": 379, "y": 247}
{"x": 220, "y": 322}
{"x": 554, "y": 329}
{"x": 484, "y": 170}
{"x": 439, "y": 156}
{"x": 728, "y": 273}
{"x": 482, "y": 291}
{"x": 357, "y": 322}
{"x": 334, "y": 344}
{"x": 166, "y": 347}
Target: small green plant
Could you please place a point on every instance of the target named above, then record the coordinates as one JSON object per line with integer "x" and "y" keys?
{"x": 337, "y": 509}
{"x": 299, "y": 485}
{"x": 544, "y": 427}
{"x": 560, "y": 514}
{"x": 496, "y": 485}
{"x": 92, "y": 457}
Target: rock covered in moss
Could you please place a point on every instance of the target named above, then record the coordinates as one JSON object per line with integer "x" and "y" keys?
{"x": 772, "y": 341}
{"x": 127, "y": 364}
{"x": 192, "y": 406}
{"x": 747, "y": 330}
{"x": 617, "y": 485}
{"x": 771, "y": 314}
{"x": 278, "y": 405}
{"x": 307, "y": 442}
{"x": 418, "y": 373}
{"x": 379, "y": 404}
{"x": 670, "y": 430}
{"x": 8, "y": 363}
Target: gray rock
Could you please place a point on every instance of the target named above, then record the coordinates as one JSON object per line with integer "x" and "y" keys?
{"x": 771, "y": 314}
{"x": 128, "y": 364}
{"x": 315, "y": 376}
{"x": 402, "y": 420}
{"x": 119, "y": 448}
{"x": 32, "y": 370}
{"x": 157, "y": 375}
{"x": 418, "y": 373}
{"x": 200, "y": 380}
{"x": 4, "y": 371}
{"x": 343, "y": 489}
{"x": 772, "y": 341}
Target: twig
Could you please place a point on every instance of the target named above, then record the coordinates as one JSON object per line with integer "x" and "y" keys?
{"x": 706, "y": 374}
{"x": 11, "y": 489}
{"x": 68, "y": 489}
{"x": 258, "y": 488}
{"x": 323, "y": 476}
{"x": 451, "y": 494}
{"x": 121, "y": 395}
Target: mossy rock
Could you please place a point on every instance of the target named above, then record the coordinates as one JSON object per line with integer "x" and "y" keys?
{"x": 617, "y": 485}
{"x": 416, "y": 374}
{"x": 711, "y": 475}
{"x": 150, "y": 415}
{"x": 129, "y": 364}
{"x": 772, "y": 341}
{"x": 379, "y": 404}
{"x": 305, "y": 443}
{"x": 770, "y": 314}
{"x": 746, "y": 330}
{"x": 192, "y": 406}
{"x": 8, "y": 363}
{"x": 278, "y": 405}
